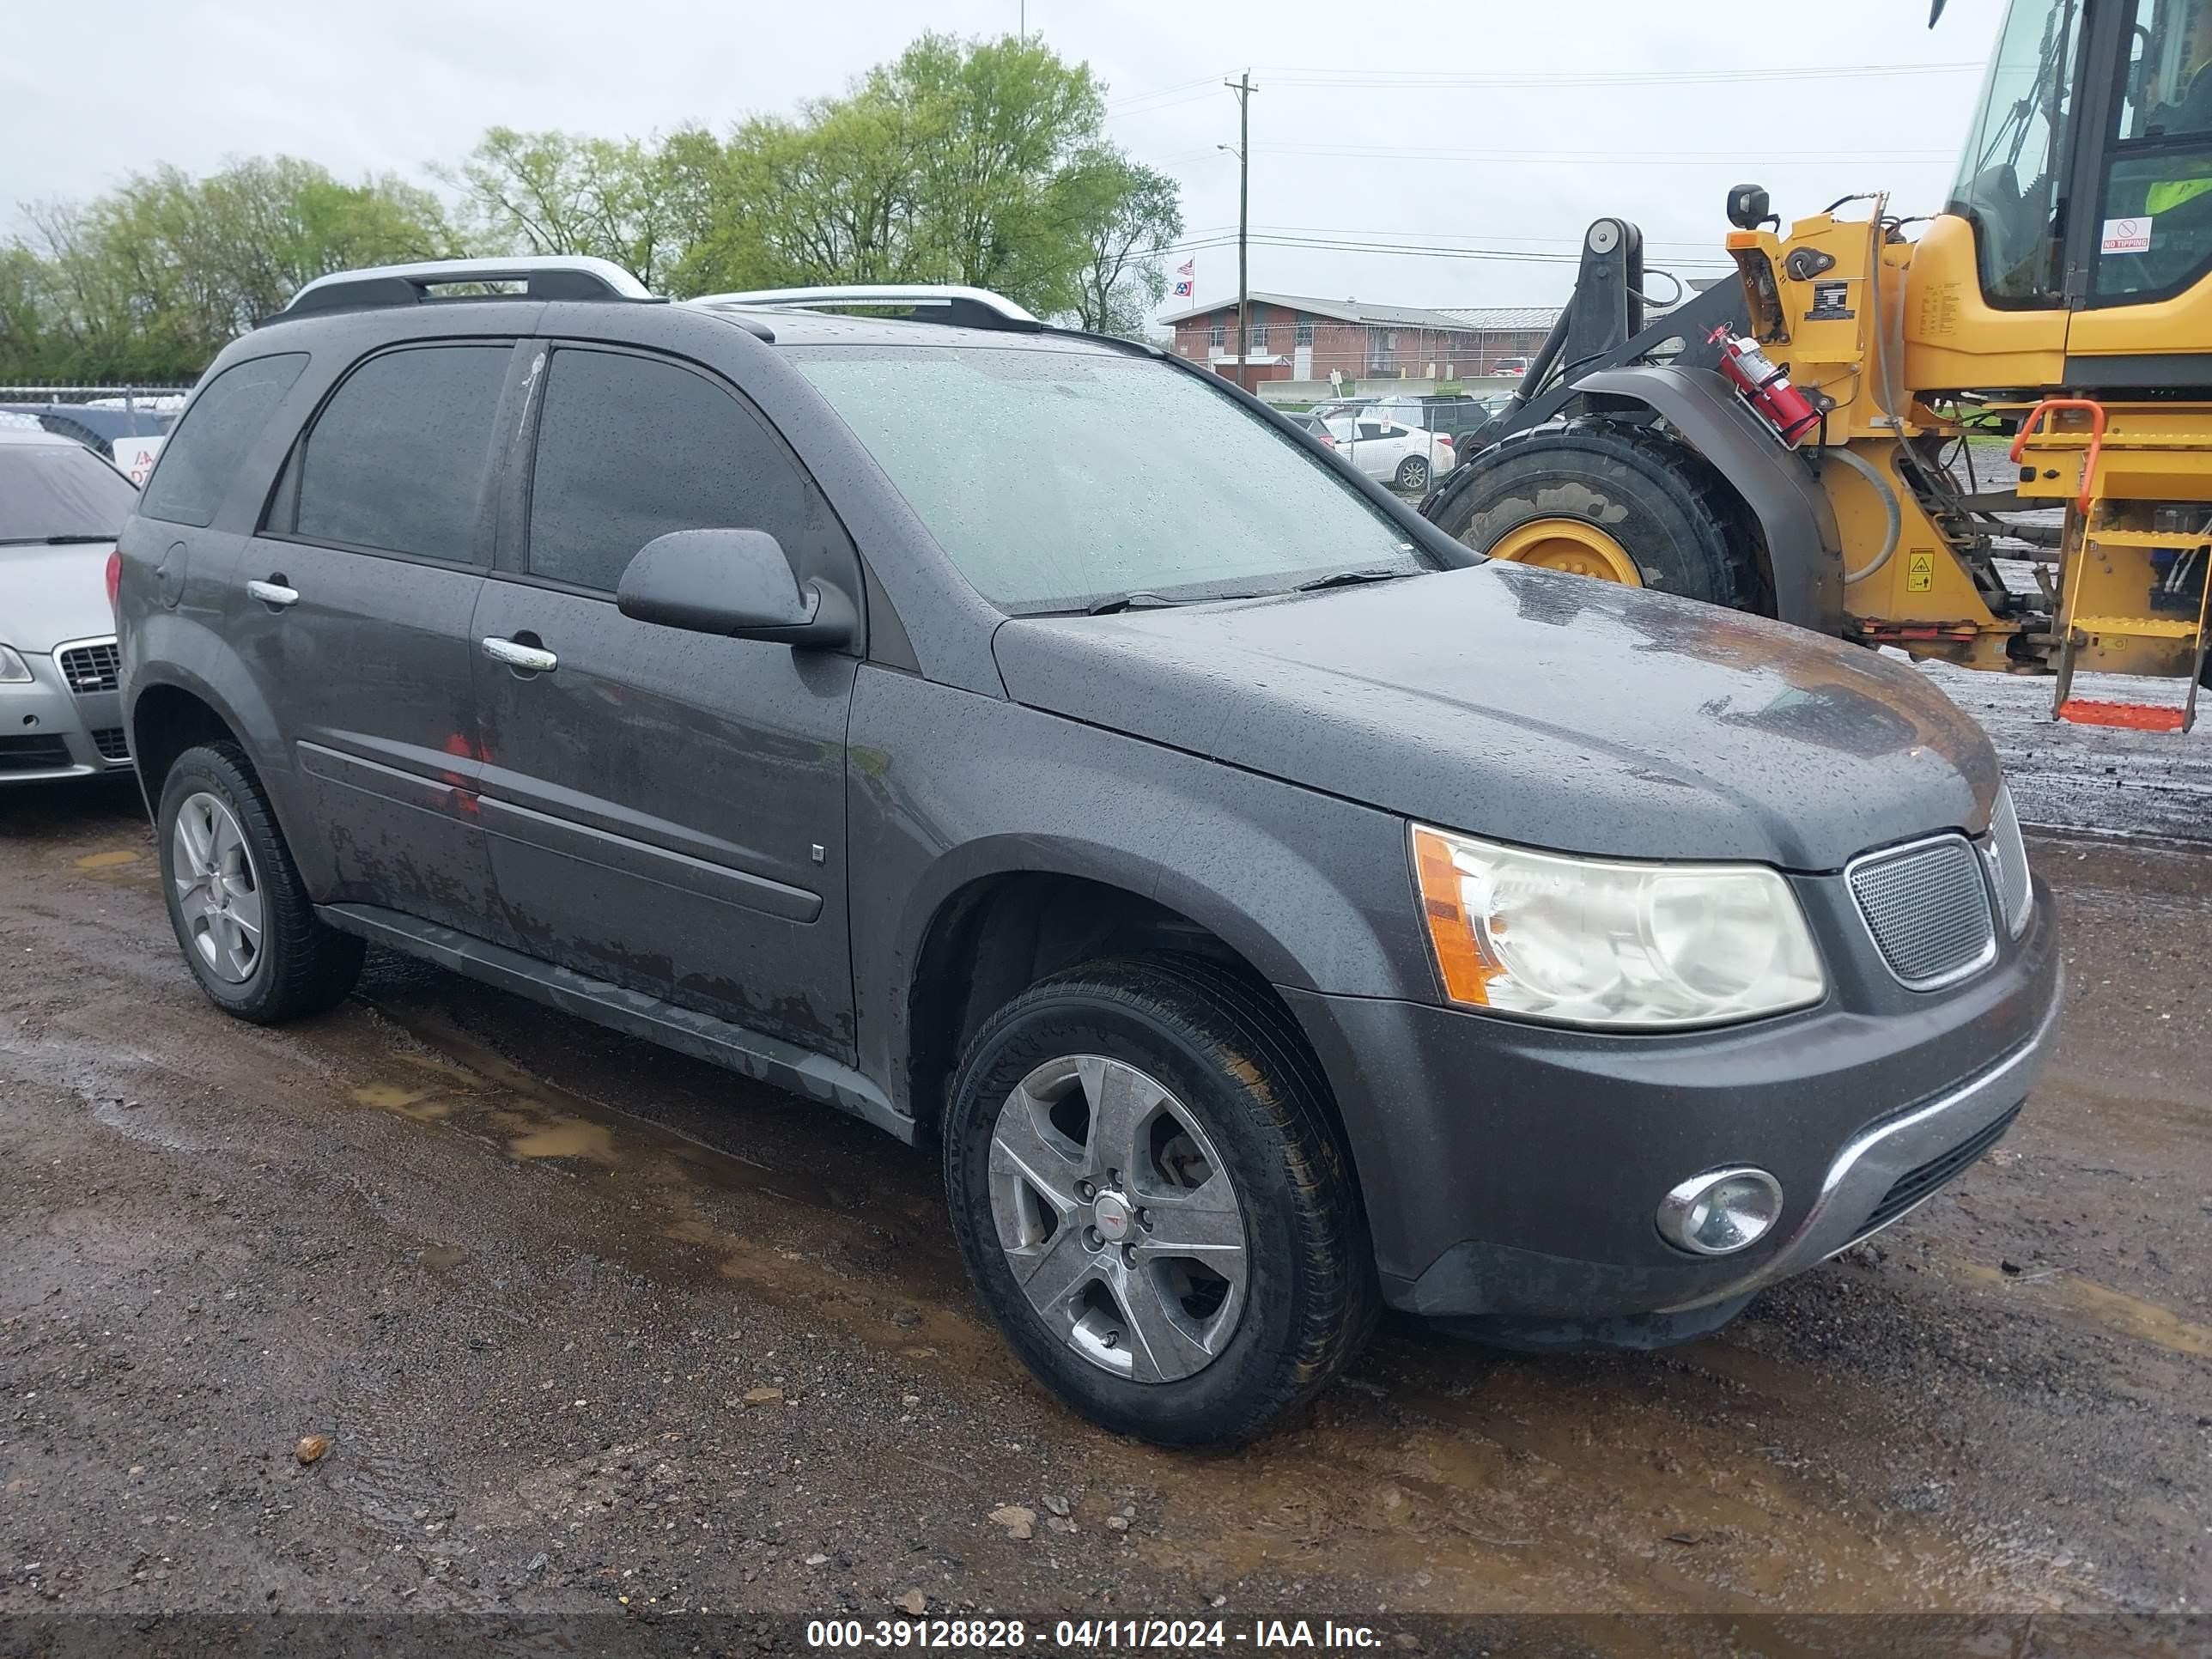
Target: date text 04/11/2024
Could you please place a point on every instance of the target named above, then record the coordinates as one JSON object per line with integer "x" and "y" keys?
{"x": 1089, "y": 1635}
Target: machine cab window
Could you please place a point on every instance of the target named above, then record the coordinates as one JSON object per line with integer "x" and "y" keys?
{"x": 2156, "y": 235}
{"x": 2012, "y": 178}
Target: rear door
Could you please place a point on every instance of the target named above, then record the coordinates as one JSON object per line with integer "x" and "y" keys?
{"x": 353, "y": 605}
{"x": 665, "y": 808}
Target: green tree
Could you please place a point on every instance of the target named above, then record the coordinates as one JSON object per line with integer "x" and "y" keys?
{"x": 638, "y": 203}
{"x": 977, "y": 162}
{"x": 152, "y": 279}
{"x": 1133, "y": 214}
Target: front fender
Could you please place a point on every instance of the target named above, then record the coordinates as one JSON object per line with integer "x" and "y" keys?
{"x": 1803, "y": 547}
{"x": 947, "y": 789}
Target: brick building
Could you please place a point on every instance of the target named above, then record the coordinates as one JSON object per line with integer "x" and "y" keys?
{"x": 1292, "y": 337}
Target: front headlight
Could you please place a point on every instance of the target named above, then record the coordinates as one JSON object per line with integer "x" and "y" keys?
{"x": 1602, "y": 942}
{"x": 14, "y": 671}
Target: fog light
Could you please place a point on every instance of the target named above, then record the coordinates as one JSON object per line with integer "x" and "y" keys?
{"x": 1721, "y": 1212}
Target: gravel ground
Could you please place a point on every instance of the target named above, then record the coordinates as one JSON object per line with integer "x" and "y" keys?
{"x": 577, "y": 1325}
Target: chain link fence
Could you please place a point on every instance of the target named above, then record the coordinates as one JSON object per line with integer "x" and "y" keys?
{"x": 125, "y": 424}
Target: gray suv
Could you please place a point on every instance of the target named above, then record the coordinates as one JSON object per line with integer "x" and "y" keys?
{"x": 1267, "y": 909}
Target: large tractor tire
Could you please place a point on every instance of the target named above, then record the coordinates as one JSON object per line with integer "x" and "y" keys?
{"x": 1595, "y": 498}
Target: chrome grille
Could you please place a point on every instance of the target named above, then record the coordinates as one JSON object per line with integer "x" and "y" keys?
{"x": 1928, "y": 906}
{"x": 2007, "y": 858}
{"x": 111, "y": 744}
{"x": 90, "y": 667}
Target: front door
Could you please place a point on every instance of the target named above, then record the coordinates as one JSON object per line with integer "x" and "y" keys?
{"x": 666, "y": 810}
{"x": 353, "y": 607}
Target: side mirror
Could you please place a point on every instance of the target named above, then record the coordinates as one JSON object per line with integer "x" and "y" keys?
{"x": 734, "y": 582}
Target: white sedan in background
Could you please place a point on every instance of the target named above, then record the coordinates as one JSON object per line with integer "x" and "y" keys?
{"x": 1404, "y": 457}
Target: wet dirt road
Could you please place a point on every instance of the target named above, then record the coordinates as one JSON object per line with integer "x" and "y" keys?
{"x": 583, "y": 1322}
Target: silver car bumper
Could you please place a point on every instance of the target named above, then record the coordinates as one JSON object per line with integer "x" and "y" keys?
{"x": 48, "y": 731}
{"x": 1865, "y": 1190}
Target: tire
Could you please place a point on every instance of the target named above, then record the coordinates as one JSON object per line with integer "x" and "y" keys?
{"x": 1664, "y": 504}
{"x": 1413, "y": 473}
{"x": 298, "y": 965}
{"x": 1293, "y": 1303}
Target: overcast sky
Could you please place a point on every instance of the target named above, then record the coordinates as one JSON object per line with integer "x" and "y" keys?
{"x": 1488, "y": 124}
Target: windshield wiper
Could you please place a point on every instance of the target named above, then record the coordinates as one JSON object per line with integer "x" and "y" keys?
{"x": 1142, "y": 599}
{"x": 1351, "y": 578}
{"x": 50, "y": 541}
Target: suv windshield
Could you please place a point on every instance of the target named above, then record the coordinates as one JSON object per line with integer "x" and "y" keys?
{"x": 1057, "y": 480}
{"x": 59, "y": 492}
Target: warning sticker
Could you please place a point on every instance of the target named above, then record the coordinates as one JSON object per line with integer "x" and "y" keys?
{"x": 2126, "y": 236}
{"x": 1919, "y": 572}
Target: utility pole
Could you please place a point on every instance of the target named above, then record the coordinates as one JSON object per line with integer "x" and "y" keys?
{"x": 1243, "y": 88}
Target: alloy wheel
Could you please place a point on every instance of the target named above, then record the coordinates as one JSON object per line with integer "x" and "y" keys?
{"x": 218, "y": 890}
{"x": 1118, "y": 1219}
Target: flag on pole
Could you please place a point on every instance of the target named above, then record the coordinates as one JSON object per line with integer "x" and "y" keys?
{"x": 1185, "y": 277}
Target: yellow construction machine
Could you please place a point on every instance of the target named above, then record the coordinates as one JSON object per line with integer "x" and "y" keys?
{"x": 1985, "y": 436}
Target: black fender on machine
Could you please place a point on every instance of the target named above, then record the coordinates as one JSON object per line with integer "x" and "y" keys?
{"x": 1804, "y": 549}
{"x": 1795, "y": 513}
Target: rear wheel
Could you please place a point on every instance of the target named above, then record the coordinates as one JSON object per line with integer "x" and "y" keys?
{"x": 1615, "y": 502}
{"x": 1152, "y": 1202}
{"x": 241, "y": 913}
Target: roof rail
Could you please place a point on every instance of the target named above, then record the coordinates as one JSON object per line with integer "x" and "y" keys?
{"x": 549, "y": 276}
{"x": 951, "y": 303}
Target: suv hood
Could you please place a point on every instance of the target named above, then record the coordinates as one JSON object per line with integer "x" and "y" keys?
{"x": 53, "y": 594}
{"x": 1544, "y": 709}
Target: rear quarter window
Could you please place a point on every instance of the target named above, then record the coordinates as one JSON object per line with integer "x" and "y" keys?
{"x": 205, "y": 453}
{"x": 397, "y": 459}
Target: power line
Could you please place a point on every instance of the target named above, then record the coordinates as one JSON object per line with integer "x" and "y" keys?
{"x": 1704, "y": 244}
{"x": 1327, "y": 77}
{"x": 1416, "y": 79}
{"x": 1409, "y": 250}
{"x": 1610, "y": 158}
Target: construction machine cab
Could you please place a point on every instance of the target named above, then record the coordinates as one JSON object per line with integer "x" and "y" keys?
{"x": 2087, "y": 170}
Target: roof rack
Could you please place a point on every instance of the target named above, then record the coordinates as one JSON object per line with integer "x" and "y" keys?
{"x": 952, "y": 303}
{"x": 548, "y": 277}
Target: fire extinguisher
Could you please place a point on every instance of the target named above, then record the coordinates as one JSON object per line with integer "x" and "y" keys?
{"x": 1766, "y": 388}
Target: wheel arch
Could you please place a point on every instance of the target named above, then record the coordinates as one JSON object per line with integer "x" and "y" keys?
{"x": 1801, "y": 552}
{"x": 171, "y": 708}
{"x": 996, "y": 933}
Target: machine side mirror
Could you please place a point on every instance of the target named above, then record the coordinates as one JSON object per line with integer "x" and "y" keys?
{"x": 733, "y": 582}
{"x": 1748, "y": 208}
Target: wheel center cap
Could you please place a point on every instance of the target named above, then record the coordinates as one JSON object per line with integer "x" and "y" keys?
{"x": 1110, "y": 1214}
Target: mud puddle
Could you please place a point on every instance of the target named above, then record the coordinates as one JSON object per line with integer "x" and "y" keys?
{"x": 1456, "y": 1478}
{"x": 2081, "y": 1301}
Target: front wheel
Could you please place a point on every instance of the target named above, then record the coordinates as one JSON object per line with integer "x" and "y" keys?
{"x": 1413, "y": 473}
{"x": 1153, "y": 1203}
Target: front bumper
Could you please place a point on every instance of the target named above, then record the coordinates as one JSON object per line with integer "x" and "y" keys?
{"x": 47, "y": 730}
{"x": 1514, "y": 1171}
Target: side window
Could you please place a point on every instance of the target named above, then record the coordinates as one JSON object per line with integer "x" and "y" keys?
{"x": 396, "y": 460}
{"x": 2156, "y": 233}
{"x": 205, "y": 450}
{"x": 632, "y": 447}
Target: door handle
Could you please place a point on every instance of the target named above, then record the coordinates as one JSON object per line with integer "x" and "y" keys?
{"x": 527, "y": 659}
{"x": 274, "y": 592}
